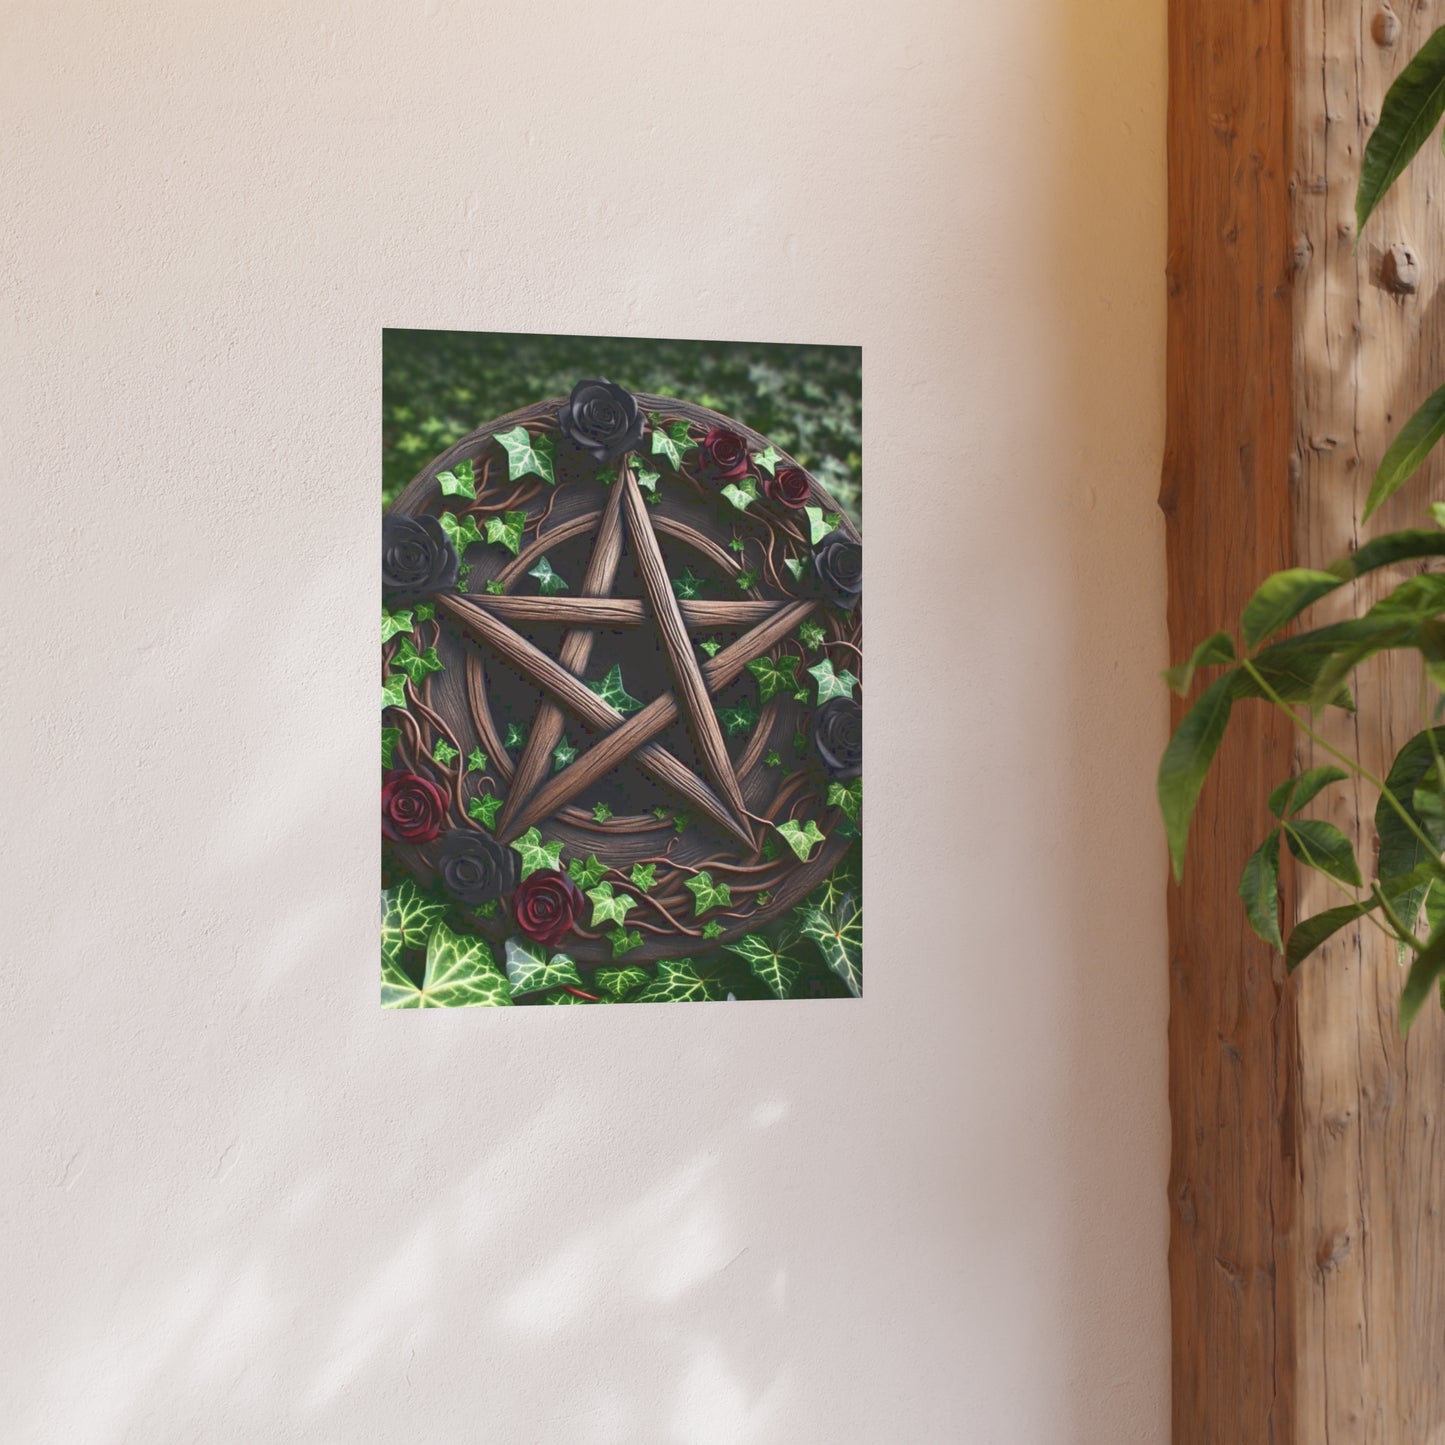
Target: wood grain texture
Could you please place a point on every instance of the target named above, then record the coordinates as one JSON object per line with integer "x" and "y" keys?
{"x": 692, "y": 690}
{"x": 1307, "y": 1257}
{"x": 620, "y": 611}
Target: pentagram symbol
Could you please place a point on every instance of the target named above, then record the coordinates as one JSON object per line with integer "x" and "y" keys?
{"x": 721, "y": 816}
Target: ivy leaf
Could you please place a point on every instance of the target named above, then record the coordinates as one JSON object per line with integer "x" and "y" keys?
{"x": 774, "y": 676}
{"x": 549, "y": 583}
{"x": 712, "y": 929}
{"x": 660, "y": 814}
{"x": 460, "y": 482}
{"x": 1322, "y": 846}
{"x": 624, "y": 940}
{"x": 774, "y": 970}
{"x": 562, "y": 755}
{"x": 848, "y": 797}
{"x": 738, "y": 719}
{"x": 416, "y": 665}
{"x": 768, "y": 460}
{"x": 830, "y": 683}
{"x": 389, "y": 739}
{"x": 680, "y": 822}
{"x": 529, "y": 970}
{"x": 772, "y": 760}
{"x": 516, "y": 736}
{"x": 820, "y": 523}
{"x": 536, "y": 854}
{"x": 444, "y": 753}
{"x": 460, "y": 973}
{"x": 1297, "y": 792}
{"x": 608, "y": 907}
{"x": 601, "y": 812}
{"x": 464, "y": 573}
{"x": 747, "y": 579}
{"x": 586, "y": 875}
{"x": 800, "y": 743}
{"x": 839, "y": 936}
{"x": 607, "y": 475}
{"x": 666, "y": 443}
{"x": 711, "y": 646}
{"x": 742, "y": 494}
{"x": 1412, "y": 108}
{"x": 476, "y": 761}
{"x": 407, "y": 916}
{"x": 647, "y": 480}
{"x": 495, "y": 587}
{"x": 527, "y": 455}
{"x": 484, "y": 810}
{"x": 489, "y": 909}
{"x": 796, "y": 566}
{"x": 762, "y": 900}
{"x": 737, "y": 545}
{"x": 462, "y": 531}
{"x": 687, "y": 586}
{"x": 1259, "y": 888}
{"x": 392, "y": 623}
{"x": 707, "y": 894}
{"x": 507, "y": 530}
{"x": 677, "y": 983}
{"x": 810, "y": 633}
{"x": 612, "y": 692}
{"x": 425, "y": 611}
{"x": 644, "y": 876}
{"x": 770, "y": 847}
{"x": 801, "y": 838}
{"x": 619, "y": 982}
{"x": 393, "y": 691}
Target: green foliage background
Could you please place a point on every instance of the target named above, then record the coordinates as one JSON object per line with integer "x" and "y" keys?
{"x": 439, "y": 385}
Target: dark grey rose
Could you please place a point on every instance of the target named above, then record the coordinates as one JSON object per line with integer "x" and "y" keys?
{"x": 475, "y": 868}
{"x": 602, "y": 419}
{"x": 417, "y": 557}
{"x": 838, "y": 566}
{"x": 838, "y": 737}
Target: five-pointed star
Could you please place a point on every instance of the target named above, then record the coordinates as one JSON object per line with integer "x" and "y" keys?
{"x": 487, "y": 617}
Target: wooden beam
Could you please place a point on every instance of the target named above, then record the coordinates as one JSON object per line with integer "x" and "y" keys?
{"x": 1307, "y": 1258}
{"x": 619, "y": 611}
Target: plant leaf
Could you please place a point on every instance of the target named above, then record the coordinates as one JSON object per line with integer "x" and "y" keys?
{"x": 563, "y": 755}
{"x": 1259, "y": 887}
{"x": 1425, "y": 971}
{"x": 687, "y": 586}
{"x": 444, "y": 753}
{"x": 768, "y": 460}
{"x": 810, "y": 633}
{"x": 1322, "y": 846}
{"x": 586, "y": 875}
{"x": 608, "y": 907}
{"x": 774, "y": 675}
{"x": 1297, "y": 792}
{"x": 529, "y": 970}
{"x": 393, "y": 691}
{"x": 407, "y": 918}
{"x": 462, "y": 531}
{"x": 772, "y": 968}
{"x": 484, "y": 810}
{"x": 612, "y": 692}
{"x": 460, "y": 973}
{"x": 677, "y": 983}
{"x": 848, "y": 797}
{"x": 707, "y": 894}
{"x": 536, "y": 854}
{"x": 460, "y": 482}
{"x": 1401, "y": 853}
{"x": 1218, "y": 648}
{"x": 830, "y": 683}
{"x": 839, "y": 936}
{"x": 818, "y": 525}
{"x": 801, "y": 838}
{"x": 549, "y": 583}
{"x": 476, "y": 761}
{"x": 1309, "y": 933}
{"x": 527, "y": 455}
{"x": 1186, "y": 761}
{"x": 416, "y": 665}
{"x": 389, "y": 739}
{"x": 1413, "y": 443}
{"x": 738, "y": 719}
{"x": 619, "y": 982}
{"x": 392, "y": 623}
{"x": 1413, "y": 105}
{"x": 1281, "y": 598}
{"x": 644, "y": 877}
{"x": 624, "y": 940}
{"x": 647, "y": 479}
{"x": 506, "y": 530}
{"x": 742, "y": 494}
{"x": 1405, "y": 546}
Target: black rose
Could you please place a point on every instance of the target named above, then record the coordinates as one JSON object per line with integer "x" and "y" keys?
{"x": 602, "y": 419}
{"x": 476, "y": 868}
{"x": 838, "y": 566}
{"x": 838, "y": 737}
{"x": 417, "y": 557}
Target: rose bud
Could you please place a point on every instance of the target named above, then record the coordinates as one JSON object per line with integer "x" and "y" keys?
{"x": 838, "y": 567}
{"x": 838, "y": 737}
{"x": 412, "y": 807}
{"x": 724, "y": 454}
{"x": 475, "y": 868}
{"x": 789, "y": 488}
{"x": 601, "y": 418}
{"x": 417, "y": 557}
{"x": 546, "y": 905}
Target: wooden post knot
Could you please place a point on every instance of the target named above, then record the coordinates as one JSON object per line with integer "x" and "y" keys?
{"x": 1400, "y": 270}
{"x": 1385, "y": 27}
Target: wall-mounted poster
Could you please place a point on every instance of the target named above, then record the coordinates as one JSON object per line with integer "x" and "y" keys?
{"x": 622, "y": 671}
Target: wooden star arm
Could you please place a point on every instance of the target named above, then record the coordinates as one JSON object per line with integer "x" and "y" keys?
{"x": 633, "y": 737}
{"x": 619, "y": 611}
{"x": 691, "y": 689}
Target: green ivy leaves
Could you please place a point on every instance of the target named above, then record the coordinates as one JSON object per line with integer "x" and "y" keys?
{"x": 528, "y": 455}
{"x": 392, "y": 623}
{"x": 461, "y": 481}
{"x": 393, "y": 691}
{"x": 707, "y": 894}
{"x": 838, "y": 932}
{"x": 677, "y": 983}
{"x": 771, "y": 967}
{"x": 742, "y": 494}
{"x": 416, "y": 665}
{"x": 506, "y": 531}
{"x": 484, "y": 810}
{"x": 460, "y": 973}
{"x": 549, "y": 583}
{"x": 802, "y": 838}
{"x": 612, "y": 692}
{"x": 671, "y": 441}
{"x": 535, "y": 854}
{"x": 689, "y": 586}
{"x": 462, "y": 531}
{"x": 774, "y": 675}
{"x": 586, "y": 875}
{"x": 820, "y": 523}
{"x": 831, "y": 683}
{"x": 529, "y": 970}
{"x": 609, "y": 907}
{"x": 738, "y": 719}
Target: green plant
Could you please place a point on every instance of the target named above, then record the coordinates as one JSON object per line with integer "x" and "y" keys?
{"x": 1304, "y": 673}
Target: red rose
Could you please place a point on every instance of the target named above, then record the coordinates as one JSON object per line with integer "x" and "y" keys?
{"x": 724, "y": 454}
{"x": 412, "y": 808}
{"x": 789, "y": 487}
{"x": 546, "y": 906}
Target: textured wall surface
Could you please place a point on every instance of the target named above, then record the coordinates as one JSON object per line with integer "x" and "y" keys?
{"x": 243, "y": 1204}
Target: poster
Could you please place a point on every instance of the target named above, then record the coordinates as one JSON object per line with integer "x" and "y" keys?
{"x": 622, "y": 671}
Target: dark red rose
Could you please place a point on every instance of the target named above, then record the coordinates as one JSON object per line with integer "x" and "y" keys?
{"x": 724, "y": 454}
{"x": 789, "y": 488}
{"x": 546, "y": 905}
{"x": 412, "y": 807}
